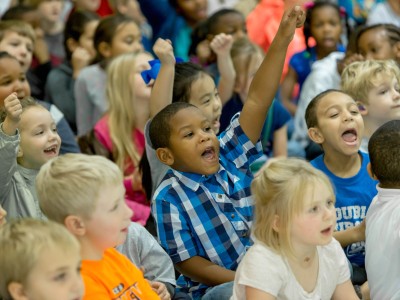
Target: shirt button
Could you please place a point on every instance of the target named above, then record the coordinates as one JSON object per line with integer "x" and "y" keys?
{"x": 232, "y": 216}
{"x": 219, "y": 196}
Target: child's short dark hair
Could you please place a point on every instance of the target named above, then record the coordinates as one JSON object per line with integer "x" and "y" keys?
{"x": 384, "y": 154}
{"x": 311, "y": 111}
{"x": 393, "y": 32}
{"x": 160, "y": 126}
{"x": 75, "y": 27}
{"x": 185, "y": 74}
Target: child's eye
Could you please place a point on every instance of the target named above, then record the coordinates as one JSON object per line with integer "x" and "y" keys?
{"x": 331, "y": 203}
{"x": 60, "y": 277}
{"x": 39, "y": 132}
{"x": 354, "y": 112}
{"x": 115, "y": 207}
{"x": 188, "y": 135}
{"x": 332, "y": 116}
{"x": 382, "y": 92}
{"x": 54, "y": 129}
{"x": 207, "y": 100}
{"x": 314, "y": 209}
{"x": 207, "y": 129}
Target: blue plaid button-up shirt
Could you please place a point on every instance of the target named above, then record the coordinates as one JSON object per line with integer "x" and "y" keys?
{"x": 209, "y": 216}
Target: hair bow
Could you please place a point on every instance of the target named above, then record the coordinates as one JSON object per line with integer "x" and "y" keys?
{"x": 155, "y": 65}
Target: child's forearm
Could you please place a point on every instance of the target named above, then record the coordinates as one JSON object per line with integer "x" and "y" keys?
{"x": 350, "y": 235}
{"x": 227, "y": 77}
{"x": 266, "y": 81}
{"x": 161, "y": 94}
{"x": 204, "y": 271}
{"x": 9, "y": 127}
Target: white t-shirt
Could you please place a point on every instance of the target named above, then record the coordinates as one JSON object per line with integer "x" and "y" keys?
{"x": 382, "y": 244}
{"x": 268, "y": 271}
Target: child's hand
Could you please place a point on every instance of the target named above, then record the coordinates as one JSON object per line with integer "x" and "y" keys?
{"x": 221, "y": 44}
{"x": 164, "y": 51}
{"x": 13, "y": 108}
{"x": 292, "y": 18}
{"x": 80, "y": 59}
{"x": 161, "y": 290}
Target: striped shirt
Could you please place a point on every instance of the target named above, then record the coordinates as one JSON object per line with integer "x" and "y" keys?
{"x": 209, "y": 216}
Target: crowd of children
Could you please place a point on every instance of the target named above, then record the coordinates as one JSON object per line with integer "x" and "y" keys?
{"x": 144, "y": 148}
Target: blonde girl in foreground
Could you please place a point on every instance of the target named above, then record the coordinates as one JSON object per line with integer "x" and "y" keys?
{"x": 294, "y": 222}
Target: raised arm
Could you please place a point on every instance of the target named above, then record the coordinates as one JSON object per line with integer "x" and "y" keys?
{"x": 266, "y": 80}
{"x": 13, "y": 110}
{"x": 161, "y": 94}
{"x": 221, "y": 45}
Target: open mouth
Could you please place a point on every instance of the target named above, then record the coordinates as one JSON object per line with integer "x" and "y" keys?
{"x": 327, "y": 230}
{"x": 209, "y": 153}
{"x": 350, "y": 136}
{"x": 51, "y": 150}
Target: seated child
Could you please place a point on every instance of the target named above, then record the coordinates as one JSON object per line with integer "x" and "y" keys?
{"x": 293, "y": 238}
{"x": 28, "y": 139}
{"x": 92, "y": 207}
{"x": 374, "y": 84}
{"x": 334, "y": 122}
{"x": 39, "y": 260}
{"x": 203, "y": 206}
{"x": 382, "y": 259}
{"x": 79, "y": 52}
{"x": 16, "y": 41}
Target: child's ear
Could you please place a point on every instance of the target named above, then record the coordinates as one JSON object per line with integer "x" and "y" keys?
{"x": 370, "y": 172}
{"x": 20, "y": 152}
{"x": 315, "y": 135}
{"x": 16, "y": 291}
{"x": 75, "y": 225}
{"x": 72, "y": 44}
{"x": 275, "y": 223}
{"x": 396, "y": 49}
{"x": 362, "y": 108}
{"x": 165, "y": 156}
{"x": 105, "y": 49}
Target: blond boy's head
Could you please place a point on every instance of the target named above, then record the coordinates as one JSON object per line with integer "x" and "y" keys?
{"x": 20, "y": 27}
{"x": 360, "y": 77}
{"x": 72, "y": 183}
{"x": 25, "y": 246}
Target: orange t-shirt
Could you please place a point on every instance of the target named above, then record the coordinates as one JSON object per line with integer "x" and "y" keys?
{"x": 115, "y": 277}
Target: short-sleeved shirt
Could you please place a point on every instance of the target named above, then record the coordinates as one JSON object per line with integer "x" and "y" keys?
{"x": 266, "y": 270}
{"x": 115, "y": 277}
{"x": 209, "y": 216}
{"x": 353, "y": 198}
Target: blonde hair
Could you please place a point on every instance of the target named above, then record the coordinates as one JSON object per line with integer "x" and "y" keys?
{"x": 70, "y": 184}
{"x": 22, "y": 242}
{"x": 360, "y": 77}
{"x": 121, "y": 113}
{"x": 22, "y": 28}
{"x": 245, "y": 47}
{"x": 280, "y": 190}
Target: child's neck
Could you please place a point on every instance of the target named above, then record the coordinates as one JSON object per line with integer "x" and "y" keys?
{"x": 342, "y": 165}
{"x": 52, "y": 28}
{"x": 89, "y": 251}
{"x": 305, "y": 267}
{"x": 370, "y": 126}
{"x": 323, "y": 52}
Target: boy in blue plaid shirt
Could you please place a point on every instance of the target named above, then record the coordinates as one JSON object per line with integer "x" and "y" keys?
{"x": 203, "y": 207}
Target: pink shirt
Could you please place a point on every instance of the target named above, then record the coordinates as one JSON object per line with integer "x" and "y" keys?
{"x": 135, "y": 197}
